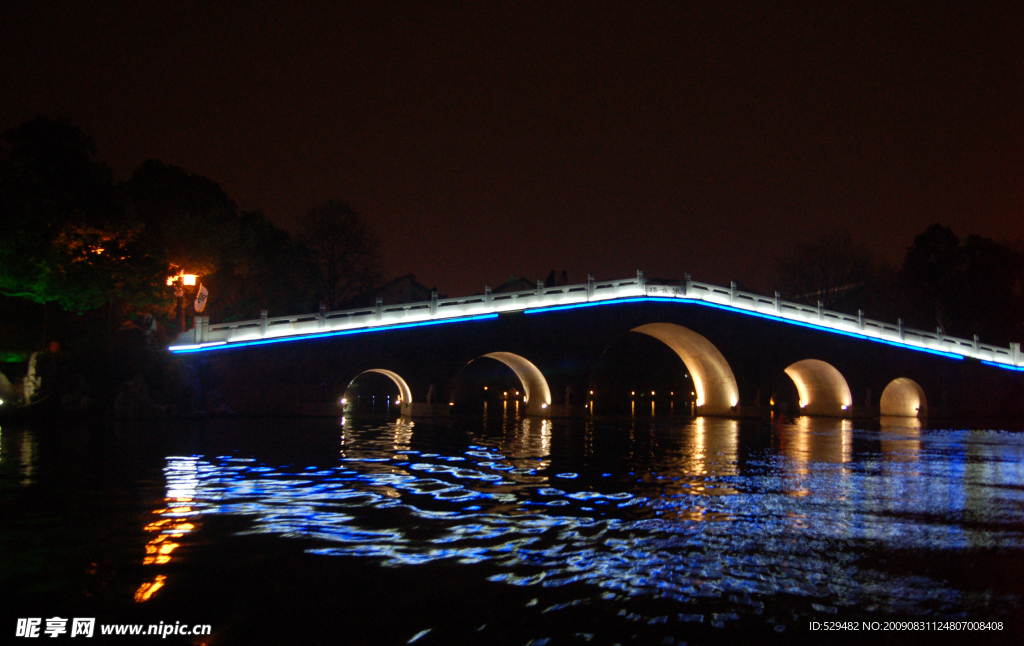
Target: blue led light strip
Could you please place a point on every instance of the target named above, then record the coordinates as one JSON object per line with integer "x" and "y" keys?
{"x": 322, "y": 335}
{"x": 1003, "y": 365}
{"x": 728, "y": 308}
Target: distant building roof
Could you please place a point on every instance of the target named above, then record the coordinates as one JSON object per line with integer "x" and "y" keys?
{"x": 404, "y": 289}
{"x": 515, "y": 284}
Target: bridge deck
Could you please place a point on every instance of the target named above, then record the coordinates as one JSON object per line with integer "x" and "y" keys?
{"x": 207, "y": 337}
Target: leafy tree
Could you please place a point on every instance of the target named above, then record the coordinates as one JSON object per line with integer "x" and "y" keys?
{"x": 345, "y": 250}
{"x": 189, "y": 221}
{"x": 272, "y": 271}
{"x": 964, "y": 289}
{"x": 246, "y": 262}
{"x": 64, "y": 238}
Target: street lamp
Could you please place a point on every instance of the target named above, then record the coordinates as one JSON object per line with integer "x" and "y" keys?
{"x": 179, "y": 281}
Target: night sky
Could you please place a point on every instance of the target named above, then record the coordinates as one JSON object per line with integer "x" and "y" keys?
{"x": 484, "y": 139}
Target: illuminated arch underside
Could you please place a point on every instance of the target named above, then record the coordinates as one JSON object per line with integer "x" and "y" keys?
{"x": 822, "y": 388}
{"x": 403, "y": 388}
{"x": 903, "y": 398}
{"x": 714, "y": 384}
{"x": 538, "y": 394}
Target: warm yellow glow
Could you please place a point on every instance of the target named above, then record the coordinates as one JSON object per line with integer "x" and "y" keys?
{"x": 170, "y": 280}
{"x": 189, "y": 279}
{"x": 148, "y": 589}
{"x": 903, "y": 397}
{"x": 591, "y": 392}
{"x": 820, "y": 387}
{"x": 714, "y": 383}
{"x": 698, "y": 386}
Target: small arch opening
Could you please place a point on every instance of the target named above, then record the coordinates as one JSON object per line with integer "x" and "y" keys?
{"x": 903, "y": 398}
{"x": 376, "y": 392}
{"x": 821, "y": 389}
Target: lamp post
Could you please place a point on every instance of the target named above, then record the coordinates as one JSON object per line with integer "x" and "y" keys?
{"x": 178, "y": 282}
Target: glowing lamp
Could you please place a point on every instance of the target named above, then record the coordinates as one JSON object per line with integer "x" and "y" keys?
{"x": 189, "y": 279}
{"x": 543, "y": 405}
{"x": 343, "y": 401}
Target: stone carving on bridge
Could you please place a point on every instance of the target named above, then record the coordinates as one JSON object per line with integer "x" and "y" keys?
{"x": 666, "y": 290}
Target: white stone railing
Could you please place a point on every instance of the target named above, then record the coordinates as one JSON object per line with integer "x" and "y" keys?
{"x": 487, "y": 304}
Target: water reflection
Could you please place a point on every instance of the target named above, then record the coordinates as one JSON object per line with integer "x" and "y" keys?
{"x": 688, "y": 515}
{"x": 900, "y": 438}
{"x": 815, "y": 439}
{"x": 176, "y": 518}
{"x": 28, "y": 450}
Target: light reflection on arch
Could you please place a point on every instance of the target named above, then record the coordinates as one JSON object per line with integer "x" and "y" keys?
{"x": 822, "y": 388}
{"x": 903, "y": 398}
{"x": 713, "y": 380}
{"x": 538, "y": 394}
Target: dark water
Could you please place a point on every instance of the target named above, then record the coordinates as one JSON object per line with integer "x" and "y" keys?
{"x": 648, "y": 531}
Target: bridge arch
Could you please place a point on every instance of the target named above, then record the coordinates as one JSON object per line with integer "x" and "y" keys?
{"x": 903, "y": 397}
{"x": 535, "y": 385}
{"x": 822, "y": 389}
{"x": 713, "y": 379}
{"x": 404, "y": 392}
{"x": 536, "y": 395}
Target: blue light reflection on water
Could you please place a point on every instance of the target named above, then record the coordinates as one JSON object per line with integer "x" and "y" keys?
{"x": 795, "y": 519}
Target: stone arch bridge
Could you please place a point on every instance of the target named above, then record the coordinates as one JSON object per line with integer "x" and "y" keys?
{"x": 734, "y": 344}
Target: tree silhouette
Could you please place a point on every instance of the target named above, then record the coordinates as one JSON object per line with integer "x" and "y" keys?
{"x": 345, "y": 251}
{"x": 830, "y": 268}
{"x": 64, "y": 236}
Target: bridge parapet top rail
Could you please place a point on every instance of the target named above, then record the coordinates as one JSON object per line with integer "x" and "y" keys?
{"x": 488, "y": 303}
